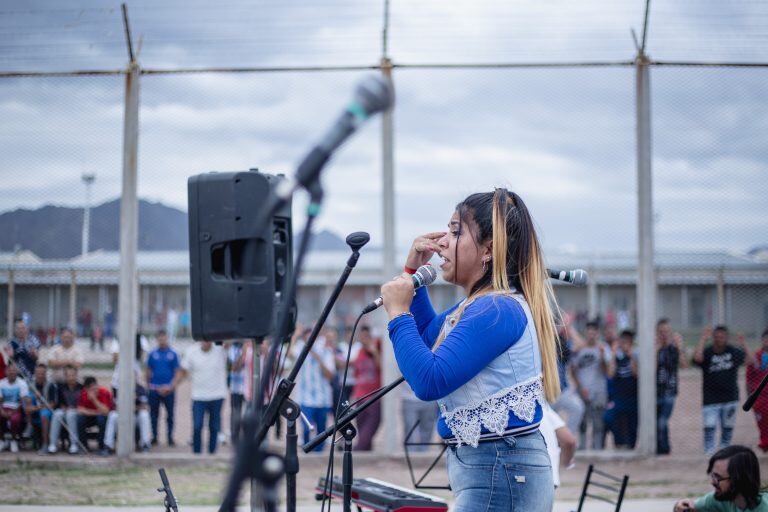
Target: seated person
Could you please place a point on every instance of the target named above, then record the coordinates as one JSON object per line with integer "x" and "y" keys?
{"x": 14, "y": 396}
{"x": 142, "y": 421}
{"x": 42, "y": 399}
{"x": 735, "y": 474}
{"x": 93, "y": 408}
{"x": 67, "y": 396}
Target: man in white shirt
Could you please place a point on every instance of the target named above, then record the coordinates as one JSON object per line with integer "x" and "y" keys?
{"x": 65, "y": 354}
{"x": 206, "y": 365}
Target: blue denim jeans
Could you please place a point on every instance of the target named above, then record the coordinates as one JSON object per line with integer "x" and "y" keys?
{"x": 168, "y": 401}
{"x": 725, "y": 414}
{"x": 664, "y": 407}
{"x": 317, "y": 416}
{"x": 199, "y": 408}
{"x": 509, "y": 474}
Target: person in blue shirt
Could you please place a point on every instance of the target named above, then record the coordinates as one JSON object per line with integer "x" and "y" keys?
{"x": 162, "y": 376}
{"x": 489, "y": 361}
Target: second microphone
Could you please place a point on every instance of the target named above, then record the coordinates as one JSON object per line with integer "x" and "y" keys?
{"x": 424, "y": 276}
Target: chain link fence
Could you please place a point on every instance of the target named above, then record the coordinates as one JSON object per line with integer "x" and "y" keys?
{"x": 563, "y": 138}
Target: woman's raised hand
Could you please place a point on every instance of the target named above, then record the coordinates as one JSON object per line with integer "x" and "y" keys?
{"x": 423, "y": 248}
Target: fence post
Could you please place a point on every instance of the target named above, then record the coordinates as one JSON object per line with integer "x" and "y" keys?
{"x": 129, "y": 220}
{"x": 389, "y": 269}
{"x": 646, "y": 275}
{"x": 11, "y": 302}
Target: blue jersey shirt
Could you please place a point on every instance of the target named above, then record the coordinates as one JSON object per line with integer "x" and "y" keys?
{"x": 163, "y": 363}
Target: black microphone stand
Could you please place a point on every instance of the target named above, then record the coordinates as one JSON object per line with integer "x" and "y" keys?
{"x": 291, "y": 412}
{"x": 755, "y": 394}
{"x": 284, "y": 388}
{"x": 348, "y": 432}
{"x": 169, "y": 501}
{"x": 250, "y": 456}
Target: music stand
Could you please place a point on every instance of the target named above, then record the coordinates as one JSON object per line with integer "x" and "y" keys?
{"x": 417, "y": 483}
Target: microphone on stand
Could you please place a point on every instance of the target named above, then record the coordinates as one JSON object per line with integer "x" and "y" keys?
{"x": 372, "y": 95}
{"x": 577, "y": 277}
{"x": 425, "y": 275}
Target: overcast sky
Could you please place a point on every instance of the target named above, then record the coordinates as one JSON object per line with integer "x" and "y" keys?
{"x": 562, "y": 138}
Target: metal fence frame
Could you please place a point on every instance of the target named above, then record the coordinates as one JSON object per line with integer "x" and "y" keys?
{"x": 646, "y": 289}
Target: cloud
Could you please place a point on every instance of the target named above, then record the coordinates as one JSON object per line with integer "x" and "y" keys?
{"x": 562, "y": 138}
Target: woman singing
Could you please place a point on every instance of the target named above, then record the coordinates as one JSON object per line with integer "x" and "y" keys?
{"x": 490, "y": 360}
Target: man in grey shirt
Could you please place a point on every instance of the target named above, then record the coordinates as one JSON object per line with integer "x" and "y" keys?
{"x": 589, "y": 375}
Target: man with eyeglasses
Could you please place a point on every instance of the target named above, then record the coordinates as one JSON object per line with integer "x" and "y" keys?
{"x": 735, "y": 475}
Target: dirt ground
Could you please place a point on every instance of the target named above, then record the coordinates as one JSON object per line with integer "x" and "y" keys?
{"x": 28, "y": 478}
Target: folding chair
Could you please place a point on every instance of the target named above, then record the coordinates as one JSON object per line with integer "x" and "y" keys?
{"x": 610, "y": 486}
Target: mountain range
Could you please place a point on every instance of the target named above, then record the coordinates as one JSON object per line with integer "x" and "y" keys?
{"x": 55, "y": 232}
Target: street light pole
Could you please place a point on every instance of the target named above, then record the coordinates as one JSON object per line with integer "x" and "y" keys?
{"x": 88, "y": 179}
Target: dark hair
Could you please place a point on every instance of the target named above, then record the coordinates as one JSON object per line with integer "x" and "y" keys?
{"x": 765, "y": 333}
{"x": 743, "y": 471}
{"x": 592, "y": 324}
{"x": 502, "y": 218}
{"x": 628, "y": 333}
{"x": 662, "y": 321}
{"x": 365, "y": 328}
{"x": 88, "y": 381}
{"x": 41, "y": 365}
{"x": 721, "y": 328}
{"x": 66, "y": 329}
{"x": 69, "y": 367}
{"x": 161, "y": 332}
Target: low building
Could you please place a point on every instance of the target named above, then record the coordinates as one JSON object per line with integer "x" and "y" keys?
{"x": 695, "y": 289}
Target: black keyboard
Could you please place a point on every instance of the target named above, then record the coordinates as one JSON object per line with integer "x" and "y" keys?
{"x": 383, "y": 497}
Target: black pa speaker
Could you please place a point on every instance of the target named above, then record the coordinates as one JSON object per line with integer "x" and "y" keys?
{"x": 236, "y": 268}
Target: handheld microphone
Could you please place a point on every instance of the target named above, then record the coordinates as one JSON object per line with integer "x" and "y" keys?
{"x": 577, "y": 277}
{"x": 424, "y": 276}
{"x": 373, "y": 94}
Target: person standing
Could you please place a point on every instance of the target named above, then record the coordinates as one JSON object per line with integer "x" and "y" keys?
{"x": 315, "y": 383}
{"x": 757, "y": 369}
{"x": 65, "y": 354}
{"x": 719, "y": 363}
{"x": 366, "y": 366}
{"x": 669, "y": 357}
{"x": 237, "y": 386}
{"x": 162, "y": 374}
{"x": 206, "y": 366}
{"x": 590, "y": 365}
{"x": 622, "y": 368}
{"x": 24, "y": 349}
{"x": 490, "y": 360}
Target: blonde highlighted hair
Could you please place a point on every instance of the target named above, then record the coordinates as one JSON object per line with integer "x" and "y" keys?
{"x": 517, "y": 262}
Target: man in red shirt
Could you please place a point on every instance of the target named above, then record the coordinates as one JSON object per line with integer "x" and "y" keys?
{"x": 757, "y": 367}
{"x": 93, "y": 408}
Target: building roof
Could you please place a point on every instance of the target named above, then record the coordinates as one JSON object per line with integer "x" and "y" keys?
{"x": 324, "y": 267}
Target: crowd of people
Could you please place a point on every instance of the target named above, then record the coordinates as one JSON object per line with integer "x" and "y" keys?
{"x": 46, "y": 398}
{"x": 43, "y": 397}
{"x": 599, "y": 377}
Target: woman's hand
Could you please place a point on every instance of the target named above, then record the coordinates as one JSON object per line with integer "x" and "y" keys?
{"x": 423, "y": 248}
{"x": 397, "y": 295}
